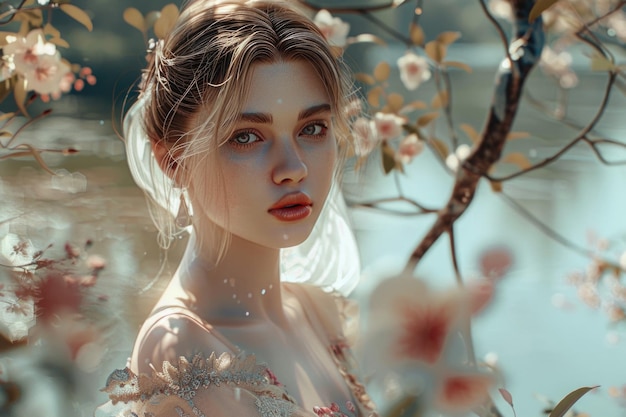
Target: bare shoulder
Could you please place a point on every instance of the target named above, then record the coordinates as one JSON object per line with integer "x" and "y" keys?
{"x": 170, "y": 334}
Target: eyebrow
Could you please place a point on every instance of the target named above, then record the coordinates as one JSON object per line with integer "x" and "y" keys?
{"x": 265, "y": 118}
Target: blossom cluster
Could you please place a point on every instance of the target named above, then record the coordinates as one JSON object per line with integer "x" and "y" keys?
{"x": 386, "y": 125}
{"x": 36, "y": 62}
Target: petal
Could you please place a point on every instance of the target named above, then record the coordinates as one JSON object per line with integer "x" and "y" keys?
{"x": 460, "y": 393}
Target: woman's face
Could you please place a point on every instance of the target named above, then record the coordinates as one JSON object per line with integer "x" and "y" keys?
{"x": 278, "y": 164}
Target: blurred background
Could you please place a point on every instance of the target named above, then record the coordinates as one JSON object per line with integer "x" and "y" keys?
{"x": 538, "y": 332}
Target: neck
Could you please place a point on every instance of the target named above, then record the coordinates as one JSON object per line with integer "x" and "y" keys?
{"x": 243, "y": 287}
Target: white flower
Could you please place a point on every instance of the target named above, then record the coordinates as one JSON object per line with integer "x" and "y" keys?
{"x": 409, "y": 148}
{"x": 454, "y": 160}
{"x": 414, "y": 70}
{"x": 388, "y": 126}
{"x": 43, "y": 2}
{"x": 365, "y": 137}
{"x": 334, "y": 29}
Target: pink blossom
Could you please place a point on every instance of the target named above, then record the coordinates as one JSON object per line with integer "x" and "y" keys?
{"x": 425, "y": 330}
{"x": 388, "y": 126}
{"x": 460, "y": 393}
{"x": 501, "y": 8}
{"x": 37, "y": 61}
{"x": 409, "y": 148}
{"x": 414, "y": 70}
{"x": 26, "y": 51}
{"x": 334, "y": 29}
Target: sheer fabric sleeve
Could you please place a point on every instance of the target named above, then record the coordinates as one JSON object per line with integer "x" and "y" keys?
{"x": 217, "y": 386}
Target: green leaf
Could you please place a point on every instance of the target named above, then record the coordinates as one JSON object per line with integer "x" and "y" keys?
{"x": 134, "y": 18}
{"x": 166, "y": 21}
{"x": 539, "y": 7}
{"x": 569, "y": 400}
{"x": 77, "y": 14}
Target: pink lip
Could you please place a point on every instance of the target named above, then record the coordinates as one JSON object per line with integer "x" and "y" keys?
{"x": 292, "y": 207}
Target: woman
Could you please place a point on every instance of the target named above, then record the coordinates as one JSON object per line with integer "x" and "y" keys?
{"x": 243, "y": 107}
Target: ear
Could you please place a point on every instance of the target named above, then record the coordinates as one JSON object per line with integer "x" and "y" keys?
{"x": 166, "y": 160}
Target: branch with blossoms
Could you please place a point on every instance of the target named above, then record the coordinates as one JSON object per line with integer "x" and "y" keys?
{"x": 32, "y": 68}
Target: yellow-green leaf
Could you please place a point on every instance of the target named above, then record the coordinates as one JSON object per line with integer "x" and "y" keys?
{"x": 19, "y": 93}
{"x": 519, "y": 159}
{"x": 50, "y": 30}
{"x": 382, "y": 71}
{"x": 365, "y": 78}
{"x": 447, "y": 38}
{"x": 412, "y": 106}
{"x": 395, "y": 101}
{"x": 389, "y": 158}
{"x": 471, "y": 133}
{"x": 539, "y": 7}
{"x": 150, "y": 19}
{"x": 134, "y": 18}
{"x": 417, "y": 35}
{"x": 365, "y": 37}
{"x": 460, "y": 65}
{"x": 496, "y": 186}
{"x": 440, "y": 147}
{"x": 373, "y": 96}
{"x": 166, "y": 21}
{"x": 440, "y": 99}
{"x": 427, "y": 118}
{"x": 600, "y": 63}
{"x": 5, "y": 116}
{"x": 77, "y": 14}
{"x": 569, "y": 400}
{"x": 436, "y": 51}
{"x": 517, "y": 135}
{"x": 59, "y": 42}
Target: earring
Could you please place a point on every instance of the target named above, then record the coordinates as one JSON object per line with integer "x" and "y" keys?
{"x": 183, "y": 217}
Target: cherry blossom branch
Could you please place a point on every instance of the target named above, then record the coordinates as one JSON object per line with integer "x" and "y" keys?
{"x": 375, "y": 205}
{"x": 585, "y": 131}
{"x": 525, "y": 53}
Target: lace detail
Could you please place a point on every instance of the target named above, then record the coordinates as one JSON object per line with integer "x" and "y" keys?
{"x": 274, "y": 407}
{"x": 186, "y": 378}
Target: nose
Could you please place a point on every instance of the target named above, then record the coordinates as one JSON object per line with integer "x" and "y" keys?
{"x": 289, "y": 165}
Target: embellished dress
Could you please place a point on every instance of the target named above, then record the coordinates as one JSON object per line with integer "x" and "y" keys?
{"x": 234, "y": 383}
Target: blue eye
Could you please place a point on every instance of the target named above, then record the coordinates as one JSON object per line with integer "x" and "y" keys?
{"x": 315, "y": 129}
{"x": 244, "y": 138}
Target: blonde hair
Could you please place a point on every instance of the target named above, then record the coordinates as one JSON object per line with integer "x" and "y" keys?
{"x": 195, "y": 85}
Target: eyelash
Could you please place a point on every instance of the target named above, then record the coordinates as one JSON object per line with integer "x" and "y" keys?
{"x": 321, "y": 123}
